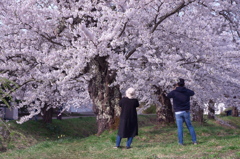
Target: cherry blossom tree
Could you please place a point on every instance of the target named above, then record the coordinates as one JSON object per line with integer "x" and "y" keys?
{"x": 194, "y": 44}
{"x": 82, "y": 51}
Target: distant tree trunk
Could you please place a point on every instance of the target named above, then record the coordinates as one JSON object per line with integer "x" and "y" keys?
{"x": 47, "y": 114}
{"x": 235, "y": 111}
{"x": 105, "y": 99}
{"x": 197, "y": 112}
{"x": 211, "y": 109}
{"x": 164, "y": 109}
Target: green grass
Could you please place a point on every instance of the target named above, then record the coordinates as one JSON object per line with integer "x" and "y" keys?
{"x": 154, "y": 141}
{"x": 150, "y": 110}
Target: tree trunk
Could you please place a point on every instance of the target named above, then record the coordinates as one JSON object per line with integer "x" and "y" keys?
{"x": 164, "y": 109}
{"x": 211, "y": 110}
{"x": 197, "y": 112}
{"x": 105, "y": 99}
{"x": 47, "y": 114}
{"x": 235, "y": 111}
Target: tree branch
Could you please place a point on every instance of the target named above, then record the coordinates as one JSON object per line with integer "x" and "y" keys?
{"x": 157, "y": 23}
{"x": 50, "y": 40}
{"x": 191, "y": 62}
{"x": 162, "y": 18}
{"x": 132, "y": 51}
{"x": 124, "y": 27}
{"x": 226, "y": 15}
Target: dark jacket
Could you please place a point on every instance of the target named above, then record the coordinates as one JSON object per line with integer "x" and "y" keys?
{"x": 181, "y": 98}
{"x": 128, "y": 126}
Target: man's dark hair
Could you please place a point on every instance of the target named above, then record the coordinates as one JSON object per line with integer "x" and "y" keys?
{"x": 181, "y": 82}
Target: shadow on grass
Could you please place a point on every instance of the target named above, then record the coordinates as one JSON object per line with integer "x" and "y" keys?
{"x": 74, "y": 128}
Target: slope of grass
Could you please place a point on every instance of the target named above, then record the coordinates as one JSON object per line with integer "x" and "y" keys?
{"x": 153, "y": 142}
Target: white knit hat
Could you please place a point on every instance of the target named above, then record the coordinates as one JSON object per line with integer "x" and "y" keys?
{"x": 130, "y": 92}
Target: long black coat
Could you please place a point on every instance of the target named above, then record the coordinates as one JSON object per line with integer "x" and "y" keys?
{"x": 128, "y": 126}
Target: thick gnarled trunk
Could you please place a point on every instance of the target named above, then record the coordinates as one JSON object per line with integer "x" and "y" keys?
{"x": 164, "y": 109}
{"x": 105, "y": 99}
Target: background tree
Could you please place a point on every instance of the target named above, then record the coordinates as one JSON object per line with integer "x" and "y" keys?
{"x": 235, "y": 112}
{"x": 211, "y": 109}
{"x": 197, "y": 112}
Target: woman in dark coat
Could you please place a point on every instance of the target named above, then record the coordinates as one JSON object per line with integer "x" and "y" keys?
{"x": 128, "y": 127}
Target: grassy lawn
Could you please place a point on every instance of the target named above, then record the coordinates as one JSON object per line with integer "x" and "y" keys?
{"x": 76, "y": 139}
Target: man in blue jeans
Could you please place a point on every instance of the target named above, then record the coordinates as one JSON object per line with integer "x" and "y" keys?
{"x": 181, "y": 105}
